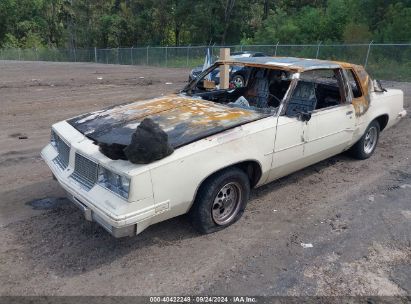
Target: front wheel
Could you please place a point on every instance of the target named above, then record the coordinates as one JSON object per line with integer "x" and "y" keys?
{"x": 365, "y": 147}
{"x": 220, "y": 201}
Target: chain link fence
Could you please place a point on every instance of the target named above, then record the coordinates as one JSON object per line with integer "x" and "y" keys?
{"x": 383, "y": 61}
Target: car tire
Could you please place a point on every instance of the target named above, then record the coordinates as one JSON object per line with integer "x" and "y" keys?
{"x": 365, "y": 147}
{"x": 220, "y": 200}
{"x": 238, "y": 80}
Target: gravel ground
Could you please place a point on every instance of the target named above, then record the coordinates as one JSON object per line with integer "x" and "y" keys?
{"x": 356, "y": 214}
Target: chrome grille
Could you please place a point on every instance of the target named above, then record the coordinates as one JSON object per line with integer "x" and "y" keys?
{"x": 85, "y": 171}
{"x": 63, "y": 149}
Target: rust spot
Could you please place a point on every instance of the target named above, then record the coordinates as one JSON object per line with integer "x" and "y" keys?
{"x": 178, "y": 108}
{"x": 362, "y": 103}
{"x": 184, "y": 119}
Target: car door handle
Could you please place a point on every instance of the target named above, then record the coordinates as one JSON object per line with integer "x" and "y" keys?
{"x": 349, "y": 113}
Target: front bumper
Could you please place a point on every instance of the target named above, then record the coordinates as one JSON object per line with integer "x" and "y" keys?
{"x": 91, "y": 216}
{"x": 91, "y": 203}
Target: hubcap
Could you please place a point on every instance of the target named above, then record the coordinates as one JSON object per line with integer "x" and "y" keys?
{"x": 370, "y": 140}
{"x": 226, "y": 203}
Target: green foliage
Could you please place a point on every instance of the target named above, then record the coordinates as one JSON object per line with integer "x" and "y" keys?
{"x": 396, "y": 27}
{"x": 121, "y": 23}
{"x": 10, "y": 41}
{"x": 356, "y": 33}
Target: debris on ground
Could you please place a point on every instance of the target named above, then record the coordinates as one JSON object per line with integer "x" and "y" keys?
{"x": 308, "y": 245}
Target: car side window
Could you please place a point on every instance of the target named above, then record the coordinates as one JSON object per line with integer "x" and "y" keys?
{"x": 238, "y": 78}
{"x": 355, "y": 86}
{"x": 316, "y": 89}
{"x": 303, "y": 99}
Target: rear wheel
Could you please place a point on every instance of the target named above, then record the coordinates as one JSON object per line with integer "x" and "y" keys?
{"x": 365, "y": 147}
{"x": 220, "y": 201}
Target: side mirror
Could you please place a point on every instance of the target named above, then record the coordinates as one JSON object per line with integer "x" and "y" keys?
{"x": 304, "y": 116}
{"x": 378, "y": 86}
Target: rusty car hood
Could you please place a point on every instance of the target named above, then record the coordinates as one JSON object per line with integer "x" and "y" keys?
{"x": 184, "y": 119}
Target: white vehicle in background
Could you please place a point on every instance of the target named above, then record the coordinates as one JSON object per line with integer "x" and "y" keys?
{"x": 289, "y": 113}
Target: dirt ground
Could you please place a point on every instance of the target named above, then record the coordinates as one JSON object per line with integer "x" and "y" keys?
{"x": 356, "y": 214}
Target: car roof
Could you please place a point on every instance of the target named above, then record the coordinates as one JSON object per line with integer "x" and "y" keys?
{"x": 247, "y": 53}
{"x": 290, "y": 63}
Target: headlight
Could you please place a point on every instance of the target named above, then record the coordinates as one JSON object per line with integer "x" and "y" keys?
{"x": 53, "y": 139}
{"x": 117, "y": 183}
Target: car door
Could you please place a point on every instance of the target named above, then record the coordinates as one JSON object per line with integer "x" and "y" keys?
{"x": 291, "y": 129}
{"x": 328, "y": 132}
{"x": 332, "y": 124}
{"x": 288, "y": 153}
{"x": 313, "y": 126}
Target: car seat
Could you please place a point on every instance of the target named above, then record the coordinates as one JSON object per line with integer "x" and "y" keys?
{"x": 303, "y": 99}
{"x": 260, "y": 87}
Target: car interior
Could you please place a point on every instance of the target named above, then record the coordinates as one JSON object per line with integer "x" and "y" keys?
{"x": 264, "y": 90}
{"x": 315, "y": 90}
{"x": 355, "y": 87}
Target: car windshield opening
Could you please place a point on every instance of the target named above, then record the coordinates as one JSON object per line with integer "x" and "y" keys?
{"x": 253, "y": 88}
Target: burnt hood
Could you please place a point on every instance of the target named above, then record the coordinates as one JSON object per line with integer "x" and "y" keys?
{"x": 184, "y": 119}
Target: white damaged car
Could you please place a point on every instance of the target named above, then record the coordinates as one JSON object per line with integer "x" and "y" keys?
{"x": 202, "y": 150}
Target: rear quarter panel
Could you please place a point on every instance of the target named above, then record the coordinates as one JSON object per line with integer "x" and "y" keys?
{"x": 389, "y": 103}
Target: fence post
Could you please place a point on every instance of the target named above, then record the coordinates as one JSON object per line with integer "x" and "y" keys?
{"x": 318, "y": 50}
{"x": 241, "y": 47}
{"x": 166, "y": 56}
{"x": 118, "y": 55}
{"x": 95, "y": 54}
{"x": 276, "y": 46}
{"x": 131, "y": 56}
{"x": 147, "y": 56}
{"x": 188, "y": 54}
{"x": 368, "y": 53}
{"x": 224, "y": 69}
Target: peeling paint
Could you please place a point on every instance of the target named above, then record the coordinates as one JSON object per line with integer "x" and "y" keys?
{"x": 184, "y": 119}
{"x": 187, "y": 119}
{"x": 299, "y": 65}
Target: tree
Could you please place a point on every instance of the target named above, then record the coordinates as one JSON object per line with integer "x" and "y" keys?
{"x": 114, "y": 23}
{"x": 396, "y": 26}
{"x": 227, "y": 15}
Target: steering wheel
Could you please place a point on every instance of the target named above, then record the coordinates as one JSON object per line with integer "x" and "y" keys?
{"x": 275, "y": 97}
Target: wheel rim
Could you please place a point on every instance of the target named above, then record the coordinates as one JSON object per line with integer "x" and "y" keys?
{"x": 238, "y": 81}
{"x": 370, "y": 140}
{"x": 226, "y": 203}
